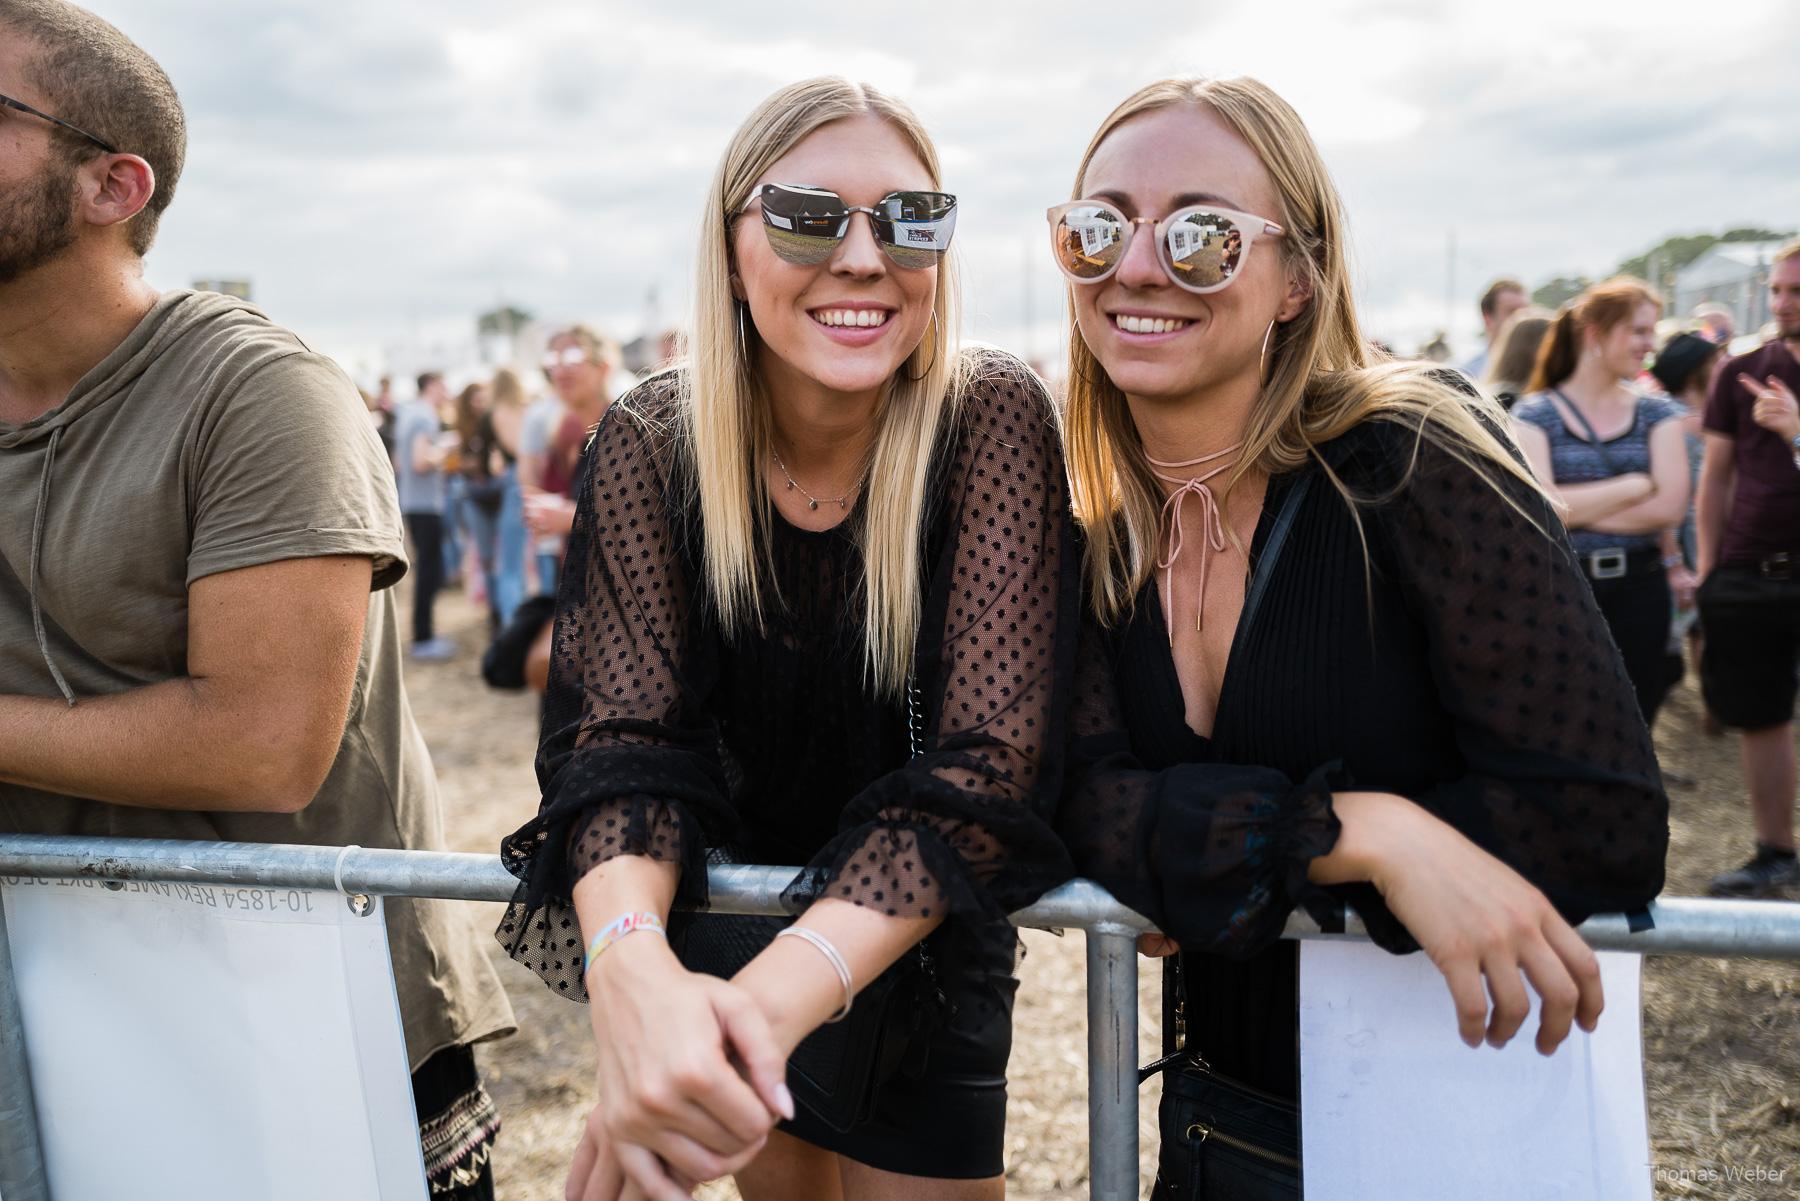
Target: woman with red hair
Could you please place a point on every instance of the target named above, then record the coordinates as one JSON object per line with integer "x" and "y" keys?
{"x": 1616, "y": 460}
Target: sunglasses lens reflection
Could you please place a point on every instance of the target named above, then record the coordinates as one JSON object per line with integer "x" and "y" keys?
{"x": 1204, "y": 249}
{"x": 804, "y": 225}
{"x": 915, "y": 227}
{"x": 1089, "y": 240}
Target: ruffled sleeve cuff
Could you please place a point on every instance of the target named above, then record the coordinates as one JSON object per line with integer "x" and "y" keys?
{"x": 912, "y": 845}
{"x": 665, "y": 805}
{"x": 1230, "y": 848}
{"x": 550, "y": 854}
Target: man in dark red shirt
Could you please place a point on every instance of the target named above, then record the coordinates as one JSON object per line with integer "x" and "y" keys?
{"x": 1748, "y": 521}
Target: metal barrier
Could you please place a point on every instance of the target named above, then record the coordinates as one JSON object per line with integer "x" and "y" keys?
{"x": 1682, "y": 926}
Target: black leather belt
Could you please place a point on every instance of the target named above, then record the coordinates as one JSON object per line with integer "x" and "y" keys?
{"x": 1617, "y": 562}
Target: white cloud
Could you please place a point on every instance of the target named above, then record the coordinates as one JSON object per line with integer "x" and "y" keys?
{"x": 385, "y": 170}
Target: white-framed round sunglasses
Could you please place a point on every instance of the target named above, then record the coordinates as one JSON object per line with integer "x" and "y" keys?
{"x": 1202, "y": 247}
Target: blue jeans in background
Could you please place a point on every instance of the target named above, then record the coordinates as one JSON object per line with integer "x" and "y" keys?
{"x": 549, "y": 567}
{"x": 499, "y": 538}
{"x": 456, "y": 507}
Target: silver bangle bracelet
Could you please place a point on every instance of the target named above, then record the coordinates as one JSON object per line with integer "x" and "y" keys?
{"x": 837, "y": 964}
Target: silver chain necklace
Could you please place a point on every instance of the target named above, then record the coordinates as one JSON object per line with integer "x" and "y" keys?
{"x": 793, "y": 485}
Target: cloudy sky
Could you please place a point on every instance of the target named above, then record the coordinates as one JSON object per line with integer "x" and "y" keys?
{"x": 384, "y": 170}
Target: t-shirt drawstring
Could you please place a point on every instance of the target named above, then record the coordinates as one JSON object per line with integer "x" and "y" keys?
{"x": 37, "y": 545}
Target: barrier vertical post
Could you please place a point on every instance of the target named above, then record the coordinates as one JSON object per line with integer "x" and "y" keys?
{"x": 21, "y": 1153}
{"x": 1112, "y": 1062}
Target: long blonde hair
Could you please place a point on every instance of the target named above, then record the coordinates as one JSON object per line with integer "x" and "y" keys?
{"x": 1323, "y": 378}
{"x": 726, "y": 414}
{"x": 508, "y": 390}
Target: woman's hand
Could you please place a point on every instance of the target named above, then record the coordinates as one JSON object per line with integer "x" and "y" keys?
{"x": 597, "y": 1175}
{"x": 1472, "y": 914}
{"x": 690, "y": 1078}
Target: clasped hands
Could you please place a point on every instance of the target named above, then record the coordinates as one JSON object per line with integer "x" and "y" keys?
{"x": 691, "y": 1075}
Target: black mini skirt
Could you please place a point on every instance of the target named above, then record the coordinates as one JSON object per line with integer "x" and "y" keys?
{"x": 948, "y": 1120}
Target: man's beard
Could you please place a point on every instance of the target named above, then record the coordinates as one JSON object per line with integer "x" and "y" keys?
{"x": 36, "y": 223}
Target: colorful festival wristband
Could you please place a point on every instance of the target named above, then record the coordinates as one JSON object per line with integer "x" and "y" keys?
{"x": 618, "y": 928}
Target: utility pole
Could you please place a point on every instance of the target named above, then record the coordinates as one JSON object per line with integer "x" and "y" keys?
{"x": 1450, "y": 285}
{"x": 1028, "y": 343}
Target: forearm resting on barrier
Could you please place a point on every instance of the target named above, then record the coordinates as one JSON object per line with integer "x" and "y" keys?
{"x": 253, "y": 726}
{"x": 795, "y": 984}
{"x": 1472, "y": 914}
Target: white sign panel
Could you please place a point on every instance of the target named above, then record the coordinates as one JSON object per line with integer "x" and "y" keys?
{"x": 1395, "y": 1107}
{"x": 208, "y": 1043}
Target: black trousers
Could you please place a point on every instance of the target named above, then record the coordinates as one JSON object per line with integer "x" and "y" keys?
{"x": 1637, "y": 609}
{"x": 427, "y": 533}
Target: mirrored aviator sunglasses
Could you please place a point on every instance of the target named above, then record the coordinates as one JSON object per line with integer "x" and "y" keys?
{"x": 1202, "y": 248}
{"x": 806, "y": 225}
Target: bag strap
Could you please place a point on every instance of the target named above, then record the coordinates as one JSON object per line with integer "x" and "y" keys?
{"x": 1264, "y": 567}
{"x": 915, "y": 720}
{"x": 1174, "y": 1030}
{"x": 1587, "y": 428}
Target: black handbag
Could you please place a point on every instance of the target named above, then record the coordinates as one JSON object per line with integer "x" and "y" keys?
{"x": 837, "y": 1070}
{"x": 1222, "y": 1140}
{"x": 503, "y": 663}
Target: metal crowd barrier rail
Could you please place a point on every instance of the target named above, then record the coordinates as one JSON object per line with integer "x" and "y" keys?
{"x": 1682, "y": 926}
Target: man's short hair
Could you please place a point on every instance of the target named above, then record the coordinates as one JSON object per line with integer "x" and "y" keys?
{"x": 1791, "y": 250}
{"x": 427, "y": 379}
{"x": 1490, "y": 299}
{"x": 93, "y": 76}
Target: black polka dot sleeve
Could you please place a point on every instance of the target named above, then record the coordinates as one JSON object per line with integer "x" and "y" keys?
{"x": 965, "y": 827}
{"x": 627, "y": 762}
{"x": 1561, "y": 779}
{"x": 663, "y": 738}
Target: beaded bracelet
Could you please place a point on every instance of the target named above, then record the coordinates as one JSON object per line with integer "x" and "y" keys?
{"x": 618, "y": 928}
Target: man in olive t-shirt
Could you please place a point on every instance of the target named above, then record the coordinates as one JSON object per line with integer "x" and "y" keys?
{"x": 198, "y": 636}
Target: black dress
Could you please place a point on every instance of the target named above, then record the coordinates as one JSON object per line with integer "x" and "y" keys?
{"x": 662, "y": 736}
{"x": 1469, "y": 671}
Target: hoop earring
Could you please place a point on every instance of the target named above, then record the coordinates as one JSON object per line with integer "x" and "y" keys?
{"x": 932, "y": 337}
{"x": 743, "y": 343}
{"x": 1262, "y": 364}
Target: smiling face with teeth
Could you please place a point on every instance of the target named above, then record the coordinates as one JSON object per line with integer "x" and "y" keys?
{"x": 844, "y": 326}
{"x": 1161, "y": 344}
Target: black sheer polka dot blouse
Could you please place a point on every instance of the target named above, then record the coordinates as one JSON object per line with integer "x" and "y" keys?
{"x": 1468, "y": 670}
{"x": 662, "y": 736}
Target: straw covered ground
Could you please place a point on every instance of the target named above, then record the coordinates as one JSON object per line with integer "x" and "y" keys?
{"x": 1722, "y": 1038}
